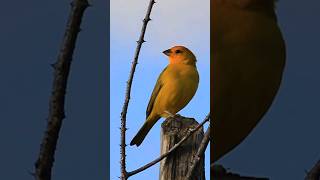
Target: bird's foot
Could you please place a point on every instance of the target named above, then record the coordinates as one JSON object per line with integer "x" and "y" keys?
{"x": 170, "y": 115}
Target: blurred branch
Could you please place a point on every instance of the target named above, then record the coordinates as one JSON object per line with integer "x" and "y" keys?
{"x": 218, "y": 172}
{"x": 189, "y": 133}
{"x": 56, "y": 105}
{"x": 314, "y": 173}
{"x": 123, "y": 127}
{"x": 200, "y": 154}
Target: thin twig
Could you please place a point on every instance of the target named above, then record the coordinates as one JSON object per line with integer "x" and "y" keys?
{"x": 123, "y": 127}
{"x": 314, "y": 173}
{"x": 200, "y": 154}
{"x": 56, "y": 105}
{"x": 189, "y": 133}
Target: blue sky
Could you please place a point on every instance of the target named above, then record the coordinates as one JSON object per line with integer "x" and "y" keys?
{"x": 172, "y": 24}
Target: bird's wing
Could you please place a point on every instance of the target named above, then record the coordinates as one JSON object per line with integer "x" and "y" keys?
{"x": 155, "y": 93}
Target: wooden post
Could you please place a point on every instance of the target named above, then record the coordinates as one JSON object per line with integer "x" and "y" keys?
{"x": 177, "y": 164}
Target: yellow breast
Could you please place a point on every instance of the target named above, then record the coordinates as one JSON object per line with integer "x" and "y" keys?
{"x": 180, "y": 83}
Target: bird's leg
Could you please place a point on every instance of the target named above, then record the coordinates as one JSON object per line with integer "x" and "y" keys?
{"x": 172, "y": 115}
{"x": 169, "y": 114}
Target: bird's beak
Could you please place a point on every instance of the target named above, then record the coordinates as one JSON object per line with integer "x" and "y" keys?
{"x": 167, "y": 52}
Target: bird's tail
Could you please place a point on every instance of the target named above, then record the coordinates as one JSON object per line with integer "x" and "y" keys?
{"x": 139, "y": 137}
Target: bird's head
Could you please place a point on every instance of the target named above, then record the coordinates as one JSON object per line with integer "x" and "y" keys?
{"x": 261, "y": 4}
{"x": 180, "y": 54}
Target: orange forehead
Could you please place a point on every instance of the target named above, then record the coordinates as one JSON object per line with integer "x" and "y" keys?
{"x": 179, "y": 48}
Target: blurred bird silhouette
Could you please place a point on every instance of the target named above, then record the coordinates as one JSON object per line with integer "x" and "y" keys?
{"x": 248, "y": 58}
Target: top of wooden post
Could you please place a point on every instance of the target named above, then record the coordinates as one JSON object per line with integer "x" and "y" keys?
{"x": 177, "y": 164}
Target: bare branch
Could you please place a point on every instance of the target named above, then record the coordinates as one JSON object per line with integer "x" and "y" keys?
{"x": 189, "y": 133}
{"x": 128, "y": 92}
{"x": 314, "y": 173}
{"x": 200, "y": 154}
{"x": 56, "y": 105}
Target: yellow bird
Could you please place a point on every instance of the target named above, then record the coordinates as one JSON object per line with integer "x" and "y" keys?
{"x": 248, "y": 58}
{"x": 174, "y": 89}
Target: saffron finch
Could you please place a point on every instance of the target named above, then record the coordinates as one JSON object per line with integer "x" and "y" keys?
{"x": 174, "y": 89}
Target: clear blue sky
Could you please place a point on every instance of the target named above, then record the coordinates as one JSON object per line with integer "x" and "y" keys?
{"x": 172, "y": 24}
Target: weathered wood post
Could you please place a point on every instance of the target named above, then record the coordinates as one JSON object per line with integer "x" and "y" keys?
{"x": 177, "y": 164}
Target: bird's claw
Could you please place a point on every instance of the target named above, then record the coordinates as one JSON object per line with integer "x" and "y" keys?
{"x": 170, "y": 114}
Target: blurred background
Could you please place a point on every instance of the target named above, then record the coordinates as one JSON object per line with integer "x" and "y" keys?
{"x": 285, "y": 143}
{"x": 30, "y": 37}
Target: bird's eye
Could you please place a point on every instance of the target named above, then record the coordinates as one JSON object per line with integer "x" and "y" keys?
{"x": 178, "y": 51}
